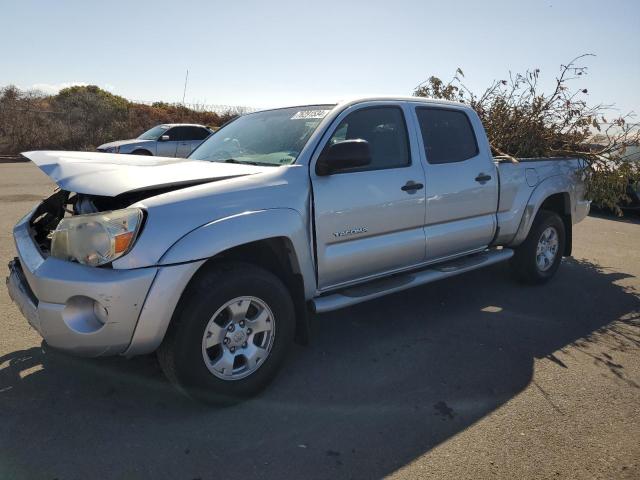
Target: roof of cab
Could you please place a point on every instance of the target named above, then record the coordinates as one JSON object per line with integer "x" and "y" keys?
{"x": 400, "y": 98}
{"x": 343, "y": 103}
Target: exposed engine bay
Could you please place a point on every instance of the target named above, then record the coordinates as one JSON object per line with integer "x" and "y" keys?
{"x": 64, "y": 204}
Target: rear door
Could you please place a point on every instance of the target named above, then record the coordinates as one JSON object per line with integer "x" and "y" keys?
{"x": 366, "y": 223}
{"x": 190, "y": 138}
{"x": 183, "y": 141}
{"x": 461, "y": 182}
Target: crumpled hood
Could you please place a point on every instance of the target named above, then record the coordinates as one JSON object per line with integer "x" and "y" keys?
{"x": 111, "y": 174}
{"x": 119, "y": 143}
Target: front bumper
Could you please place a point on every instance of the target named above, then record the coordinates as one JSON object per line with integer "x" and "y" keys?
{"x": 84, "y": 310}
{"x": 22, "y": 295}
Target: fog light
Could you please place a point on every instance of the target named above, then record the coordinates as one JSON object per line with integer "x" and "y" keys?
{"x": 84, "y": 315}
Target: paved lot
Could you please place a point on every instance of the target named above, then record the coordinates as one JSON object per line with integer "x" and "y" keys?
{"x": 473, "y": 377}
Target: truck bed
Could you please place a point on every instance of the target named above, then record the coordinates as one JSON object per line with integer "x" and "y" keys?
{"x": 519, "y": 181}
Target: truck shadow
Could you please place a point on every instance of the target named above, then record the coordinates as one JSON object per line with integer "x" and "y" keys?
{"x": 381, "y": 384}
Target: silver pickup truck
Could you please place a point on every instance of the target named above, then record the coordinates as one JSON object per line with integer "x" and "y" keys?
{"x": 217, "y": 261}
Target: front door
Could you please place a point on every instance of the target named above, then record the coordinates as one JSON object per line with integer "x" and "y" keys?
{"x": 167, "y": 148}
{"x": 369, "y": 221}
{"x": 461, "y": 182}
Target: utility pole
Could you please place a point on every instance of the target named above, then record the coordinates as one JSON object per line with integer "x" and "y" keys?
{"x": 186, "y": 79}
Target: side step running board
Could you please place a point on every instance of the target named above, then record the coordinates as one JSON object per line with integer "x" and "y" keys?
{"x": 396, "y": 283}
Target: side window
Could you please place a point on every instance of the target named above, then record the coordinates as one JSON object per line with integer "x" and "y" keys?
{"x": 203, "y": 133}
{"x": 340, "y": 134}
{"x": 447, "y": 135}
{"x": 385, "y": 130}
{"x": 183, "y": 134}
{"x": 171, "y": 132}
{"x": 174, "y": 134}
{"x": 197, "y": 133}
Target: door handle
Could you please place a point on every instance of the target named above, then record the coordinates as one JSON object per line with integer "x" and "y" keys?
{"x": 483, "y": 178}
{"x": 411, "y": 186}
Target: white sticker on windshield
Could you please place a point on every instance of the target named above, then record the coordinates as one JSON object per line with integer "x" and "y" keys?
{"x": 309, "y": 114}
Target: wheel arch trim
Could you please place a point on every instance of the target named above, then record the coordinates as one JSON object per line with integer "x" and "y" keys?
{"x": 549, "y": 187}
{"x": 149, "y": 152}
{"x": 161, "y": 301}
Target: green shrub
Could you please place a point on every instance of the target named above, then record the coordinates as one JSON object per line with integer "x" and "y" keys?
{"x": 83, "y": 117}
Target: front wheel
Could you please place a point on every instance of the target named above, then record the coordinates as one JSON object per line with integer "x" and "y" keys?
{"x": 538, "y": 258}
{"x": 230, "y": 334}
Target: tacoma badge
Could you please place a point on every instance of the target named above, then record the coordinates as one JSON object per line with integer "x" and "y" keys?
{"x": 352, "y": 231}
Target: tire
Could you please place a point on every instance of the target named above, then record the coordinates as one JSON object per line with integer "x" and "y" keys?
{"x": 205, "y": 373}
{"x": 141, "y": 152}
{"x": 530, "y": 267}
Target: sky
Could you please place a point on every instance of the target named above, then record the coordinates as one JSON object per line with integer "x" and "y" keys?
{"x": 267, "y": 53}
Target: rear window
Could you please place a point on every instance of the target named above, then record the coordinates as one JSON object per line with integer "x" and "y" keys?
{"x": 447, "y": 135}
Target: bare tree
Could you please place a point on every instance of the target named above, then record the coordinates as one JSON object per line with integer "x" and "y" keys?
{"x": 523, "y": 121}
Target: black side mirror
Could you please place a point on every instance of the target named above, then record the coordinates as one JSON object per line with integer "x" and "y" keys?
{"x": 344, "y": 155}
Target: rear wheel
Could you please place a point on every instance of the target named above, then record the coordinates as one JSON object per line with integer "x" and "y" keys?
{"x": 230, "y": 334}
{"x": 538, "y": 258}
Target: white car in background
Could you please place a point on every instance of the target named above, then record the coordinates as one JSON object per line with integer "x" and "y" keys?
{"x": 166, "y": 140}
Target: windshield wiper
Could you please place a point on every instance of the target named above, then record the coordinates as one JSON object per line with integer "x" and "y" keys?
{"x": 247, "y": 162}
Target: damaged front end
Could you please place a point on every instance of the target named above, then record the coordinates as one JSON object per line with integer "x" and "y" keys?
{"x": 75, "y": 308}
{"x": 106, "y": 185}
{"x": 46, "y": 218}
{"x": 63, "y": 204}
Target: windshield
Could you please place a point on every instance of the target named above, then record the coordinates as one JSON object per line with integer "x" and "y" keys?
{"x": 154, "y": 133}
{"x": 273, "y": 137}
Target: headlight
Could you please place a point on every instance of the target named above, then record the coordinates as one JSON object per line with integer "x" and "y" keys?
{"x": 98, "y": 238}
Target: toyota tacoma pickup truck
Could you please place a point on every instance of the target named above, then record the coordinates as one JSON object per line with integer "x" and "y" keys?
{"x": 217, "y": 261}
